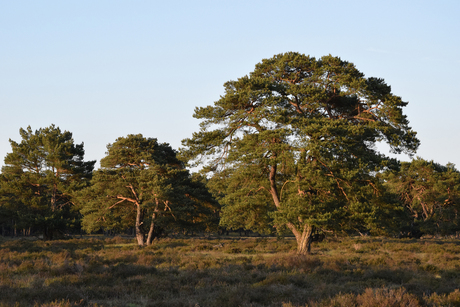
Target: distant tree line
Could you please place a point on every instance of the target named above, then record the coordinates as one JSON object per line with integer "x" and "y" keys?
{"x": 291, "y": 148}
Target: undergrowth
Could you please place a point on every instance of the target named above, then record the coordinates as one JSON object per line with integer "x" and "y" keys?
{"x": 229, "y": 272}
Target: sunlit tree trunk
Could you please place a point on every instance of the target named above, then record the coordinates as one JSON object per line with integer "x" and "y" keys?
{"x": 304, "y": 240}
{"x": 303, "y": 236}
{"x": 150, "y": 236}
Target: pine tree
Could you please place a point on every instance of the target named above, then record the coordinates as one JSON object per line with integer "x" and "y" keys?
{"x": 430, "y": 192}
{"x": 295, "y": 144}
{"x": 142, "y": 184}
{"x": 40, "y": 177}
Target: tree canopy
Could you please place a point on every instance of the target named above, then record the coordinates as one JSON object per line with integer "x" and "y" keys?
{"x": 430, "y": 192}
{"x": 295, "y": 143}
{"x": 40, "y": 177}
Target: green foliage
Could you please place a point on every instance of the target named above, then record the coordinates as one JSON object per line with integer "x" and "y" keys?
{"x": 292, "y": 145}
{"x": 430, "y": 192}
{"x": 142, "y": 184}
{"x": 40, "y": 178}
{"x": 248, "y": 209}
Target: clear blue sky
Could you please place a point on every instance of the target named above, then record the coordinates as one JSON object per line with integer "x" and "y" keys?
{"x": 105, "y": 69}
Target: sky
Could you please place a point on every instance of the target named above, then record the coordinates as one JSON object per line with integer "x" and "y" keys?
{"x": 105, "y": 69}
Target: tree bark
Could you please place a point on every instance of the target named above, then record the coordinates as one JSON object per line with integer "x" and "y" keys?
{"x": 139, "y": 232}
{"x": 151, "y": 234}
{"x": 304, "y": 245}
{"x": 303, "y": 238}
{"x": 273, "y": 188}
{"x": 151, "y": 231}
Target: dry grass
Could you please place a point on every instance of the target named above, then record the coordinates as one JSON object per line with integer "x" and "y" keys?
{"x": 229, "y": 272}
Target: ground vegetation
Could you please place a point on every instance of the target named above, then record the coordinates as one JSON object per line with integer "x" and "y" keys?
{"x": 229, "y": 271}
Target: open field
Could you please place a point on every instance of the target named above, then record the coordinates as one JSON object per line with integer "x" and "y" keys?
{"x": 242, "y": 272}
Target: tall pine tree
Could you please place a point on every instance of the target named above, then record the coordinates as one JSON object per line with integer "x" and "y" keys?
{"x": 40, "y": 177}
{"x": 295, "y": 143}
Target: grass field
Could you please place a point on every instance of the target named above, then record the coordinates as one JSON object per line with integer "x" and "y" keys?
{"x": 229, "y": 272}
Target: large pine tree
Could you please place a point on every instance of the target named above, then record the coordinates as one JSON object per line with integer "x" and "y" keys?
{"x": 295, "y": 144}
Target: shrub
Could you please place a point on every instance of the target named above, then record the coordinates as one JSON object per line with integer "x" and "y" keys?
{"x": 387, "y": 297}
{"x": 180, "y": 272}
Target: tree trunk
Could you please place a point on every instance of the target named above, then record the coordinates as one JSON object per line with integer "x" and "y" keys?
{"x": 304, "y": 244}
{"x": 303, "y": 238}
{"x": 139, "y": 232}
{"x": 273, "y": 188}
{"x": 151, "y": 231}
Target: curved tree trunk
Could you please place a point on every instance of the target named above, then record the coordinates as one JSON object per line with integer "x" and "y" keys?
{"x": 303, "y": 238}
{"x": 304, "y": 242}
{"x": 150, "y": 236}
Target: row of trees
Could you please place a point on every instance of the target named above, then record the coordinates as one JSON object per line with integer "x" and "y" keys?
{"x": 143, "y": 184}
{"x": 291, "y": 147}
{"x": 46, "y": 186}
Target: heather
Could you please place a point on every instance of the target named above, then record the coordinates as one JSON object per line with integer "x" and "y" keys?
{"x": 229, "y": 271}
